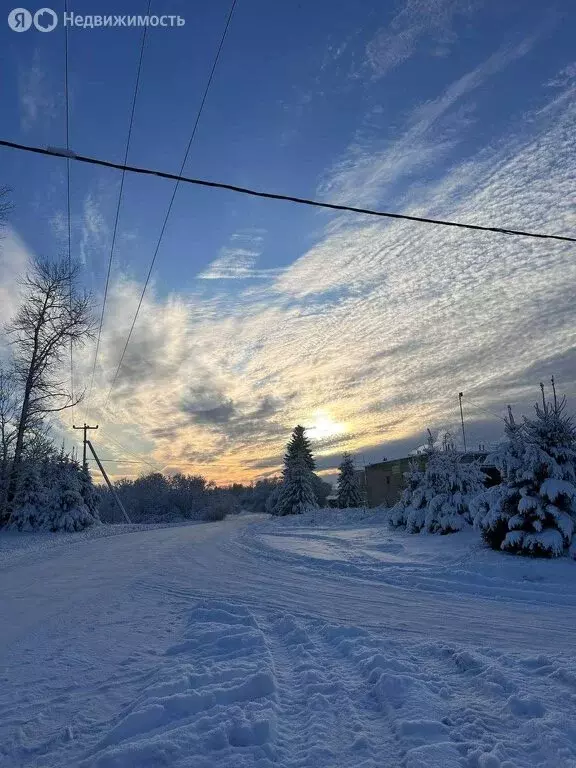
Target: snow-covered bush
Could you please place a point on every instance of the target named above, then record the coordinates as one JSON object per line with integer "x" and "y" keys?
{"x": 65, "y": 509}
{"x": 56, "y": 495}
{"x": 30, "y": 500}
{"x": 272, "y": 499}
{"x": 219, "y": 505}
{"x": 348, "y": 491}
{"x": 437, "y": 498}
{"x": 533, "y": 511}
{"x": 452, "y": 484}
{"x": 408, "y": 512}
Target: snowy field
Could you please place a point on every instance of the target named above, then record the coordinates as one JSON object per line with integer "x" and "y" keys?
{"x": 321, "y": 642}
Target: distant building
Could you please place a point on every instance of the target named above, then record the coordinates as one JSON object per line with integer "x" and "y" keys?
{"x": 384, "y": 481}
{"x": 360, "y": 475}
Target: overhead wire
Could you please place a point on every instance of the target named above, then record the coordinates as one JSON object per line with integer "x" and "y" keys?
{"x": 485, "y": 410}
{"x": 128, "y": 451}
{"x": 68, "y": 205}
{"x": 118, "y": 206}
{"x": 55, "y": 152}
{"x": 175, "y": 190}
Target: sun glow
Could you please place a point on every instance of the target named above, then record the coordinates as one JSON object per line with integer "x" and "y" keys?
{"x": 323, "y": 426}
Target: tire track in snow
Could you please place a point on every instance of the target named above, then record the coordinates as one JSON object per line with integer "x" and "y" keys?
{"x": 465, "y": 708}
{"x": 326, "y": 717}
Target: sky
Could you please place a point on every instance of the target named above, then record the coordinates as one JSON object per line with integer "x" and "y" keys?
{"x": 263, "y": 314}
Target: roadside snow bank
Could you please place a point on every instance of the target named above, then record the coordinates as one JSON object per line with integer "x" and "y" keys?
{"x": 14, "y": 545}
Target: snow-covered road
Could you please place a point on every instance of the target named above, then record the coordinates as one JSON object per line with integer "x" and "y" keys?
{"x": 245, "y": 644}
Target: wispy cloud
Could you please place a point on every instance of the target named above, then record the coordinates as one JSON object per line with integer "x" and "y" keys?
{"x": 416, "y": 22}
{"x": 38, "y": 104}
{"x": 237, "y": 260}
{"x": 94, "y": 232}
{"x": 372, "y": 167}
{"x": 15, "y": 257}
{"x": 378, "y": 326}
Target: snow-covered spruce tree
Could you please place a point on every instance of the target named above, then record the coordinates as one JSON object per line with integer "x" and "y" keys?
{"x": 297, "y": 491}
{"x": 272, "y": 500}
{"x": 348, "y": 490}
{"x": 412, "y": 502}
{"x": 30, "y": 501}
{"x": 534, "y": 513}
{"x": 437, "y": 498}
{"x": 409, "y": 512}
{"x": 65, "y": 509}
{"x": 89, "y": 494}
{"x": 452, "y": 485}
{"x": 494, "y": 506}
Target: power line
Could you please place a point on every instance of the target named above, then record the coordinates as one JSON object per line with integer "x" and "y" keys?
{"x": 54, "y": 152}
{"x": 67, "y": 108}
{"x": 175, "y": 190}
{"x": 115, "y": 229}
{"x": 485, "y": 410}
{"x": 132, "y": 453}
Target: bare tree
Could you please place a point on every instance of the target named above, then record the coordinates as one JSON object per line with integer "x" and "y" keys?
{"x": 8, "y": 416}
{"x": 54, "y": 316}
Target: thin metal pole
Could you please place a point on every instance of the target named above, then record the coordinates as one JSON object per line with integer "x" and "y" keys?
{"x": 109, "y": 484}
{"x": 460, "y": 396}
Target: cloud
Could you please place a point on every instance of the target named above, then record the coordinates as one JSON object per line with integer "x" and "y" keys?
{"x": 417, "y": 21}
{"x": 382, "y": 341}
{"x": 94, "y": 232}
{"x": 38, "y": 104}
{"x": 372, "y": 167}
{"x": 15, "y": 258}
{"x": 237, "y": 261}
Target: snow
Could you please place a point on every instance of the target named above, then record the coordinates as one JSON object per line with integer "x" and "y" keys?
{"x": 322, "y": 641}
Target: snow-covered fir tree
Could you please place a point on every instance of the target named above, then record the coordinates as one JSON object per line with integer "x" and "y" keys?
{"x": 297, "y": 490}
{"x": 30, "y": 500}
{"x": 408, "y": 512}
{"x": 89, "y": 494}
{"x": 272, "y": 500}
{"x": 348, "y": 489}
{"x": 533, "y": 511}
{"x": 452, "y": 484}
{"x": 437, "y": 498}
{"x": 65, "y": 509}
{"x": 494, "y": 506}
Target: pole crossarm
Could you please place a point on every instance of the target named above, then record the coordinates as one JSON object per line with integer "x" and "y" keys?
{"x": 85, "y": 428}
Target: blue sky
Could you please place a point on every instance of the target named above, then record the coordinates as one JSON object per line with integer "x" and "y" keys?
{"x": 264, "y": 314}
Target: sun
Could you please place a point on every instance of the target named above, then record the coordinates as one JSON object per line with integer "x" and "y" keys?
{"x": 323, "y": 426}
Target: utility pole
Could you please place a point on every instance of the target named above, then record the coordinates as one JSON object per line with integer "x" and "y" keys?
{"x": 85, "y": 428}
{"x": 87, "y": 442}
{"x": 108, "y": 483}
{"x": 460, "y": 396}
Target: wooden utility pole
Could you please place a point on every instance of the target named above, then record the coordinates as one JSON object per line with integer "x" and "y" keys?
{"x": 460, "y": 396}
{"x": 85, "y": 428}
{"x": 108, "y": 483}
